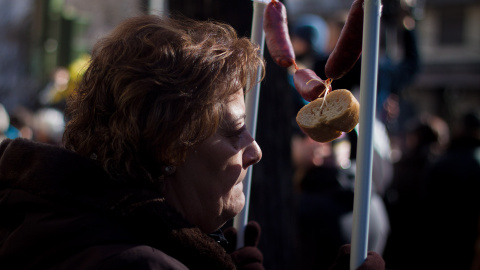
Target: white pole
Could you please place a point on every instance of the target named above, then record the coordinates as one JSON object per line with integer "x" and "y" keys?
{"x": 368, "y": 90}
{"x": 251, "y": 107}
{"x": 157, "y": 7}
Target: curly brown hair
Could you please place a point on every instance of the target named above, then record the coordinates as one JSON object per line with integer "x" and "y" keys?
{"x": 154, "y": 88}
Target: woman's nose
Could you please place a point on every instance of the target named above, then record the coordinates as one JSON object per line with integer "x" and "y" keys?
{"x": 252, "y": 154}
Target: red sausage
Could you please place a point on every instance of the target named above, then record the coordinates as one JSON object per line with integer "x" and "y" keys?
{"x": 349, "y": 44}
{"x": 309, "y": 85}
{"x": 277, "y": 38}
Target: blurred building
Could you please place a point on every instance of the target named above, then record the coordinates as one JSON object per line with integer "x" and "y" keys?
{"x": 449, "y": 83}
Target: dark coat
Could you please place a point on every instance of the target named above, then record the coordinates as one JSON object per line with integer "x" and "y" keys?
{"x": 59, "y": 210}
{"x": 450, "y": 205}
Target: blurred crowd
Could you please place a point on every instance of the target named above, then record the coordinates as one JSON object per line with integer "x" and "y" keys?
{"x": 44, "y": 125}
{"x": 45, "y": 121}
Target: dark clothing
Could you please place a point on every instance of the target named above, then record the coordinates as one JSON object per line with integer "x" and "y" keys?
{"x": 325, "y": 218}
{"x": 451, "y": 208}
{"x": 403, "y": 205}
{"x": 59, "y": 210}
{"x": 322, "y": 204}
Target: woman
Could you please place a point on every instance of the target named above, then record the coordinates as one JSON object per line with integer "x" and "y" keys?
{"x": 155, "y": 154}
{"x": 157, "y": 151}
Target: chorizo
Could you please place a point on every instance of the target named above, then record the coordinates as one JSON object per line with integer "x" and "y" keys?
{"x": 277, "y": 38}
{"x": 309, "y": 85}
{"x": 348, "y": 49}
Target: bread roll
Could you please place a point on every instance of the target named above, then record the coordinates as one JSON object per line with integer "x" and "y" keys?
{"x": 324, "y": 119}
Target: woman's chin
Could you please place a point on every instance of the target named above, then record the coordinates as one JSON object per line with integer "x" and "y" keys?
{"x": 236, "y": 207}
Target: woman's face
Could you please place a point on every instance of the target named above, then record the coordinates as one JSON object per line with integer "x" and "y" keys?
{"x": 207, "y": 188}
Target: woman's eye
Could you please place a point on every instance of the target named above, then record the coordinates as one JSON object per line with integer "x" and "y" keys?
{"x": 236, "y": 133}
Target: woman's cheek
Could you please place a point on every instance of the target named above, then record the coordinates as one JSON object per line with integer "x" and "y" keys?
{"x": 237, "y": 199}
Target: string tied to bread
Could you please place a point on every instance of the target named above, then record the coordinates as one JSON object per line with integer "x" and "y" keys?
{"x": 328, "y": 86}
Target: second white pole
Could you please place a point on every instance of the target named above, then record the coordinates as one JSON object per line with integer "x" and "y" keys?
{"x": 368, "y": 92}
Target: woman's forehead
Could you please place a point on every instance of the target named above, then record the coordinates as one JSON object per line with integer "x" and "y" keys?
{"x": 234, "y": 108}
